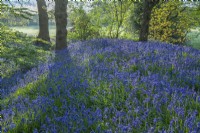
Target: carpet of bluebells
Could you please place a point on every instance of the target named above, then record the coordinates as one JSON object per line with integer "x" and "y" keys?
{"x": 105, "y": 85}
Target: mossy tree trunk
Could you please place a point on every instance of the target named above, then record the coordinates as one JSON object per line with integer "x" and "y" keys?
{"x": 43, "y": 21}
{"x": 146, "y": 17}
{"x": 61, "y": 23}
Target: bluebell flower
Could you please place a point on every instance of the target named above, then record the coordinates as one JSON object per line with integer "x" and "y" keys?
{"x": 136, "y": 122}
{"x": 35, "y": 131}
{"x": 146, "y": 100}
{"x": 12, "y": 125}
{"x": 137, "y": 109}
{"x": 198, "y": 125}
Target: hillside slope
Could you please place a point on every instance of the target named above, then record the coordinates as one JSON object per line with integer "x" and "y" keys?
{"x": 106, "y": 85}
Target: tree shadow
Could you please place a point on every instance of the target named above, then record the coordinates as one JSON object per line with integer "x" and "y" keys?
{"x": 63, "y": 103}
{"x": 67, "y": 89}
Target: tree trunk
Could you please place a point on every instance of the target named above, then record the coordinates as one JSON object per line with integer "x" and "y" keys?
{"x": 43, "y": 21}
{"x": 61, "y": 23}
{"x": 147, "y": 9}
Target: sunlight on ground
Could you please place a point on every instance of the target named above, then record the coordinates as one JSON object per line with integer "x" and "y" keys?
{"x": 33, "y": 31}
{"x": 195, "y": 38}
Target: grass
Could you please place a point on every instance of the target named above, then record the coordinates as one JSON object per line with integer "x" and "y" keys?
{"x": 18, "y": 53}
{"x": 29, "y": 90}
{"x": 194, "y": 35}
{"x": 34, "y": 30}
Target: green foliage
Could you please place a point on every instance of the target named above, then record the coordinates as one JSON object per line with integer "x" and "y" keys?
{"x": 22, "y": 12}
{"x": 11, "y": 16}
{"x": 83, "y": 29}
{"x": 10, "y": 19}
{"x": 135, "y": 17}
{"x": 171, "y": 22}
{"x": 112, "y": 17}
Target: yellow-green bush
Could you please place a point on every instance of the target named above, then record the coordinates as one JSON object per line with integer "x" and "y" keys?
{"x": 170, "y": 22}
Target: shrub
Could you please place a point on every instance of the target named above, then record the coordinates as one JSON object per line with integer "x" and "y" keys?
{"x": 170, "y": 22}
